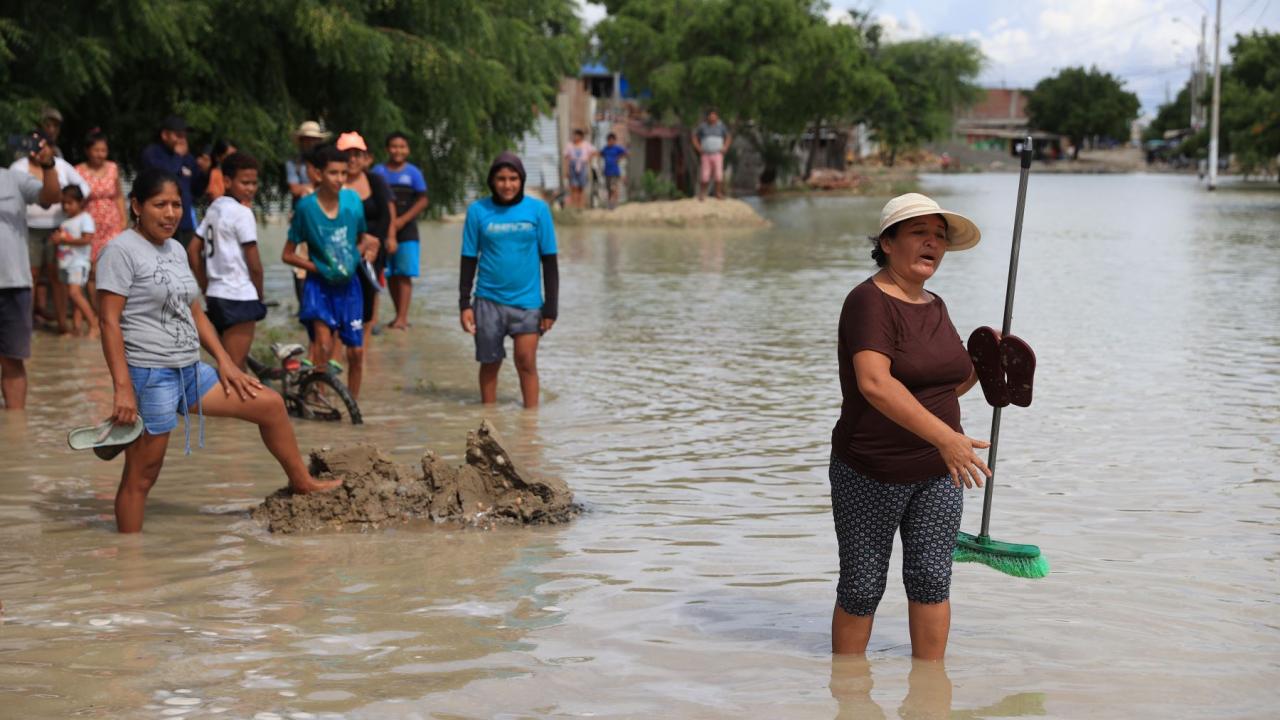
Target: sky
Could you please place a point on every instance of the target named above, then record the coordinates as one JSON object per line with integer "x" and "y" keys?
{"x": 1149, "y": 44}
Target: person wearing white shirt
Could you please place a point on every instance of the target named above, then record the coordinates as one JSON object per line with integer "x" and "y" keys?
{"x": 224, "y": 258}
{"x": 41, "y": 222}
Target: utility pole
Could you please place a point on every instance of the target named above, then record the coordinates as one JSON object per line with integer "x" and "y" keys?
{"x": 1217, "y": 98}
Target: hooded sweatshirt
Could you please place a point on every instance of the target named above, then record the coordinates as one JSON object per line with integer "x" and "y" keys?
{"x": 507, "y": 246}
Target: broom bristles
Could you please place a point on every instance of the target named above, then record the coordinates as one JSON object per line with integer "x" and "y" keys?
{"x": 1023, "y": 567}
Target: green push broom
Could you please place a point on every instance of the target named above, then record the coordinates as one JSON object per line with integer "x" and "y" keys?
{"x": 1008, "y": 558}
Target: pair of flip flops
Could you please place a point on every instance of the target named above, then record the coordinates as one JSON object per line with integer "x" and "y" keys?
{"x": 1005, "y": 367}
{"x": 107, "y": 439}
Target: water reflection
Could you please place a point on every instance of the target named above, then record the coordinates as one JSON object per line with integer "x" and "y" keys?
{"x": 929, "y": 694}
{"x": 690, "y": 393}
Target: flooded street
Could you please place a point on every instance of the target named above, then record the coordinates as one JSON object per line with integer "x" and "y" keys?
{"x": 690, "y": 389}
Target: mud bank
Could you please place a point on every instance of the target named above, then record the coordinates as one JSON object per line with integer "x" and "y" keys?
{"x": 727, "y": 213}
{"x": 489, "y": 489}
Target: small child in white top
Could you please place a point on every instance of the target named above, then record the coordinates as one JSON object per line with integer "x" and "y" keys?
{"x": 73, "y": 240}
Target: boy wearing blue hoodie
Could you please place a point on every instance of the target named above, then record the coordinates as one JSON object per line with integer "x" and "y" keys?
{"x": 508, "y": 261}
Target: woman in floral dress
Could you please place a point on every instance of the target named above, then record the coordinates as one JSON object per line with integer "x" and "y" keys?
{"x": 106, "y": 199}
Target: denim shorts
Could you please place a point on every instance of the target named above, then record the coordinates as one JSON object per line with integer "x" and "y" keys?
{"x": 494, "y": 322}
{"x": 162, "y": 393}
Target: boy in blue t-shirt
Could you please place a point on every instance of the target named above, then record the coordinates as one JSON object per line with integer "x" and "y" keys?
{"x": 612, "y": 153}
{"x": 508, "y": 245}
{"x": 330, "y": 222}
{"x": 410, "y": 190}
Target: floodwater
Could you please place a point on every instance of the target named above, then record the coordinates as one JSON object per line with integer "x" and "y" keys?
{"x": 690, "y": 388}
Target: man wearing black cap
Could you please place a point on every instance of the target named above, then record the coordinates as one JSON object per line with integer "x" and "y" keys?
{"x": 171, "y": 155}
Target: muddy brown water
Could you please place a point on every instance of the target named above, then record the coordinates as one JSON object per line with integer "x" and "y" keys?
{"x": 690, "y": 387}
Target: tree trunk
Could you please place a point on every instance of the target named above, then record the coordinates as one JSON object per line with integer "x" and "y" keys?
{"x": 813, "y": 149}
{"x": 1075, "y": 148}
{"x": 893, "y": 156}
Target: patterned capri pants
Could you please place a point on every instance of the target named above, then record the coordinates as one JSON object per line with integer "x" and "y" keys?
{"x": 867, "y": 514}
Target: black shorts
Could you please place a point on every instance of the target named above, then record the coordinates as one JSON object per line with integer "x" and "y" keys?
{"x": 15, "y": 323}
{"x": 224, "y": 313}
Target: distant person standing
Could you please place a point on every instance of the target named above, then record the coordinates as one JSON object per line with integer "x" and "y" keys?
{"x": 106, "y": 196}
{"x": 51, "y": 126}
{"x": 171, "y": 154}
{"x": 577, "y": 167}
{"x": 612, "y": 154}
{"x": 297, "y": 172}
{"x": 225, "y": 260}
{"x": 410, "y": 189}
{"x": 18, "y": 190}
{"x": 379, "y": 215}
{"x": 41, "y": 222}
{"x": 711, "y": 140}
{"x": 217, "y": 185}
{"x": 508, "y": 246}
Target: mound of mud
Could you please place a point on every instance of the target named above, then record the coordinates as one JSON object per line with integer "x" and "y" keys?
{"x": 489, "y": 489}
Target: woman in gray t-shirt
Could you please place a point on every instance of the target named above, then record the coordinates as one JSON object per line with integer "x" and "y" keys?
{"x": 152, "y": 330}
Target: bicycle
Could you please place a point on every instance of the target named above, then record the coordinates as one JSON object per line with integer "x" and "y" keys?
{"x": 309, "y": 392}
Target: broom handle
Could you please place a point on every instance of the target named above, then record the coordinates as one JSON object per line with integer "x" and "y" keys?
{"x": 1004, "y": 329}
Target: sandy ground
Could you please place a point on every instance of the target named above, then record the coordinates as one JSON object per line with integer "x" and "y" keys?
{"x": 727, "y": 213}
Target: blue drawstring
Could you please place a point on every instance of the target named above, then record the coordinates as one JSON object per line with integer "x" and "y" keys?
{"x": 186, "y": 408}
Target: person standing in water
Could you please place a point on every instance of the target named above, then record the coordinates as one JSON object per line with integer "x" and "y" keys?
{"x": 152, "y": 330}
{"x": 899, "y": 458}
{"x": 508, "y": 245}
{"x": 410, "y": 189}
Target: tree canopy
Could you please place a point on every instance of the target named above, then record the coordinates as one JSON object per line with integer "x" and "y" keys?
{"x": 463, "y": 77}
{"x": 1082, "y": 103}
{"x": 777, "y": 68}
{"x": 1174, "y": 115}
{"x": 1250, "y": 114}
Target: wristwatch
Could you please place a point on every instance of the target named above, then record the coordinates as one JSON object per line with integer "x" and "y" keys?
{"x": 50, "y": 166}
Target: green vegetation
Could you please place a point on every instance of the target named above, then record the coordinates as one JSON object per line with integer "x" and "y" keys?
{"x": 656, "y": 187}
{"x": 1082, "y": 103}
{"x": 1250, "y": 114}
{"x": 1171, "y": 116}
{"x": 1251, "y": 101}
{"x": 465, "y": 77}
{"x": 776, "y": 69}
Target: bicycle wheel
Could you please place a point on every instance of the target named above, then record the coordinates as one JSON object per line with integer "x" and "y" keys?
{"x": 325, "y": 397}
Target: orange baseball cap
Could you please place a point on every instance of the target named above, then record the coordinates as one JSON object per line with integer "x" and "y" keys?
{"x": 351, "y": 141}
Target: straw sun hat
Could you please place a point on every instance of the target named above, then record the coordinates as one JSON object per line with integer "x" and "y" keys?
{"x": 962, "y": 234}
{"x": 311, "y": 129}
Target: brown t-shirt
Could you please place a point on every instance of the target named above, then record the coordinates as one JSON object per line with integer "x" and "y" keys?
{"x": 926, "y": 355}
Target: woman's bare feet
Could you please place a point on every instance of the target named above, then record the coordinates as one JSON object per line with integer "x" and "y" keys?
{"x": 311, "y": 485}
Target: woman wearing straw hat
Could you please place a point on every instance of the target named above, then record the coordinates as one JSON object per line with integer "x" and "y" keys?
{"x": 899, "y": 456}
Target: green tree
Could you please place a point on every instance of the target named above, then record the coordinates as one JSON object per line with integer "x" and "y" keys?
{"x": 465, "y": 78}
{"x": 1174, "y": 115}
{"x": 1082, "y": 103}
{"x": 930, "y": 78}
{"x": 773, "y": 68}
{"x": 1251, "y": 101}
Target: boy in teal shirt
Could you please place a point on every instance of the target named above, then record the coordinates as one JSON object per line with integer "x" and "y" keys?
{"x": 330, "y": 222}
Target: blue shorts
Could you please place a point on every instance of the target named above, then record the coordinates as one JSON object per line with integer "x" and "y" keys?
{"x": 162, "y": 393}
{"x": 224, "y": 313}
{"x": 339, "y": 307}
{"x": 578, "y": 176}
{"x": 404, "y": 261}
